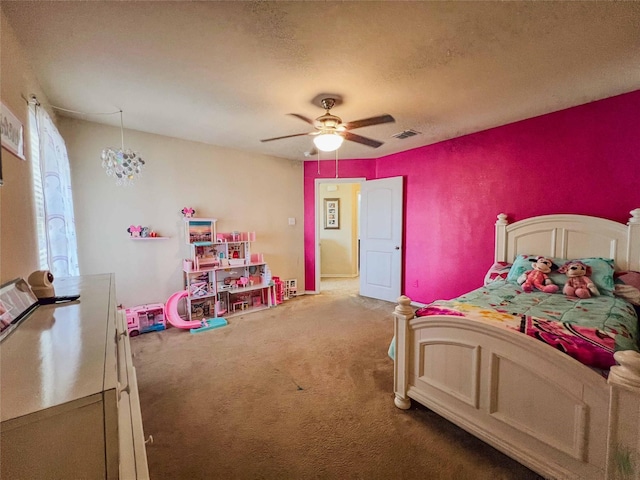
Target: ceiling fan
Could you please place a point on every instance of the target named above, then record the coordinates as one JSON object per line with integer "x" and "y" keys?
{"x": 330, "y": 131}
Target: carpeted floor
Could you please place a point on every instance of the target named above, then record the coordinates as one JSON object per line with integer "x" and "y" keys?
{"x": 300, "y": 391}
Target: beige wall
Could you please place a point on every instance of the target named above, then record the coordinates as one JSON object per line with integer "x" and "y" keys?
{"x": 338, "y": 247}
{"x": 18, "y": 243}
{"x": 245, "y": 192}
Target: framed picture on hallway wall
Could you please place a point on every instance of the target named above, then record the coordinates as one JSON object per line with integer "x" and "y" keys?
{"x": 331, "y": 213}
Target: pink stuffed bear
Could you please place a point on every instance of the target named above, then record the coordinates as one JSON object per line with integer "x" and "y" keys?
{"x": 538, "y": 277}
{"x": 578, "y": 283}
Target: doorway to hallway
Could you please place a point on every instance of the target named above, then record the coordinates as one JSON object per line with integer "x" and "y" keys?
{"x": 338, "y": 204}
{"x": 340, "y": 286}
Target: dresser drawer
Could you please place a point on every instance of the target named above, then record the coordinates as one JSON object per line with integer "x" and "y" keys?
{"x": 133, "y": 457}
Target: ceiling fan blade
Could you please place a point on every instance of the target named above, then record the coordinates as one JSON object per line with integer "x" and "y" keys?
{"x": 286, "y": 136}
{"x": 302, "y": 117}
{"x": 365, "y": 122}
{"x": 359, "y": 139}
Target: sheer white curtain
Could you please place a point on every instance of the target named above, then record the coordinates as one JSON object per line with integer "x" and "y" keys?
{"x": 53, "y": 197}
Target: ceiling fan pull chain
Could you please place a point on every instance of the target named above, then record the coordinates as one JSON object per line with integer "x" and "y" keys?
{"x": 121, "y": 130}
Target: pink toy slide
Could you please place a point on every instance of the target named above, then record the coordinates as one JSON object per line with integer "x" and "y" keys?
{"x": 171, "y": 312}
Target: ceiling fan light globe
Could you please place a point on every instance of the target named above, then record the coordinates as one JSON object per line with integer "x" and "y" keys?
{"x": 328, "y": 142}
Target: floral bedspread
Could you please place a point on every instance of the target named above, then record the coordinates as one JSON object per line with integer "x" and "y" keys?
{"x": 590, "y": 330}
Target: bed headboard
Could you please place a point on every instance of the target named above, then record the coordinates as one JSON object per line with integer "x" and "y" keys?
{"x": 571, "y": 236}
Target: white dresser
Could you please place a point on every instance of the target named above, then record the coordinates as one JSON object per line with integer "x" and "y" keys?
{"x": 69, "y": 400}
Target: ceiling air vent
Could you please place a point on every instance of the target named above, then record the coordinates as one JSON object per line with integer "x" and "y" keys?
{"x": 405, "y": 134}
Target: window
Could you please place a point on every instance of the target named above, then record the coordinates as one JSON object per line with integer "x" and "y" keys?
{"x": 55, "y": 223}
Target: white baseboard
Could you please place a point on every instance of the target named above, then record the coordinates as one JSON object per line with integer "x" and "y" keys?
{"x": 340, "y": 275}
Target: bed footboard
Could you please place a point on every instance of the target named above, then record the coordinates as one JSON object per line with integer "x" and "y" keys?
{"x": 530, "y": 401}
{"x": 623, "y": 446}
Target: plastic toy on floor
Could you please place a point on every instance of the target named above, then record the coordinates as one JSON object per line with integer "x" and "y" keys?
{"x": 194, "y": 326}
{"x": 145, "y": 318}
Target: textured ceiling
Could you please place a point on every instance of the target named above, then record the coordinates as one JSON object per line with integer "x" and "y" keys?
{"x": 227, "y": 73}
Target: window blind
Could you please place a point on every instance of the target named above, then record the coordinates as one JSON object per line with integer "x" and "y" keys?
{"x": 38, "y": 190}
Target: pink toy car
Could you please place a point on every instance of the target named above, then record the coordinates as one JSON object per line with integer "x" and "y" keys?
{"x": 145, "y": 318}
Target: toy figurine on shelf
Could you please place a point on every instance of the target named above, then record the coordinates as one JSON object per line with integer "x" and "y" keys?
{"x": 188, "y": 212}
{"x": 134, "y": 230}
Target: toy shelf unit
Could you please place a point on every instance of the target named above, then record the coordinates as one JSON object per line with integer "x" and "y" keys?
{"x": 245, "y": 288}
{"x": 234, "y": 249}
{"x": 202, "y": 299}
{"x": 223, "y": 277}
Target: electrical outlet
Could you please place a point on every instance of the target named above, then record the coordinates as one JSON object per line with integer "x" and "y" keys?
{"x": 415, "y": 283}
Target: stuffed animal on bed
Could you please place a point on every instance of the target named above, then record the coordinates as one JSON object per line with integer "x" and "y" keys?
{"x": 538, "y": 277}
{"x": 579, "y": 283}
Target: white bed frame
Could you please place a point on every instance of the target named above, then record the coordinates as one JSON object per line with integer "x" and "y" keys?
{"x": 532, "y": 402}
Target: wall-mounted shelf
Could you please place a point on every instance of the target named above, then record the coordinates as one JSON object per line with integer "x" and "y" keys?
{"x": 149, "y": 238}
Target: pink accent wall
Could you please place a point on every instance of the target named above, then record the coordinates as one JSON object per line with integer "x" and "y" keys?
{"x": 582, "y": 160}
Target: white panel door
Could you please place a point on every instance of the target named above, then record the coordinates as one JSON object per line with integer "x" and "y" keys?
{"x": 381, "y": 238}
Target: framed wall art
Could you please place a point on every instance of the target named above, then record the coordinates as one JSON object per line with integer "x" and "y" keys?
{"x": 331, "y": 213}
{"x": 11, "y": 132}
